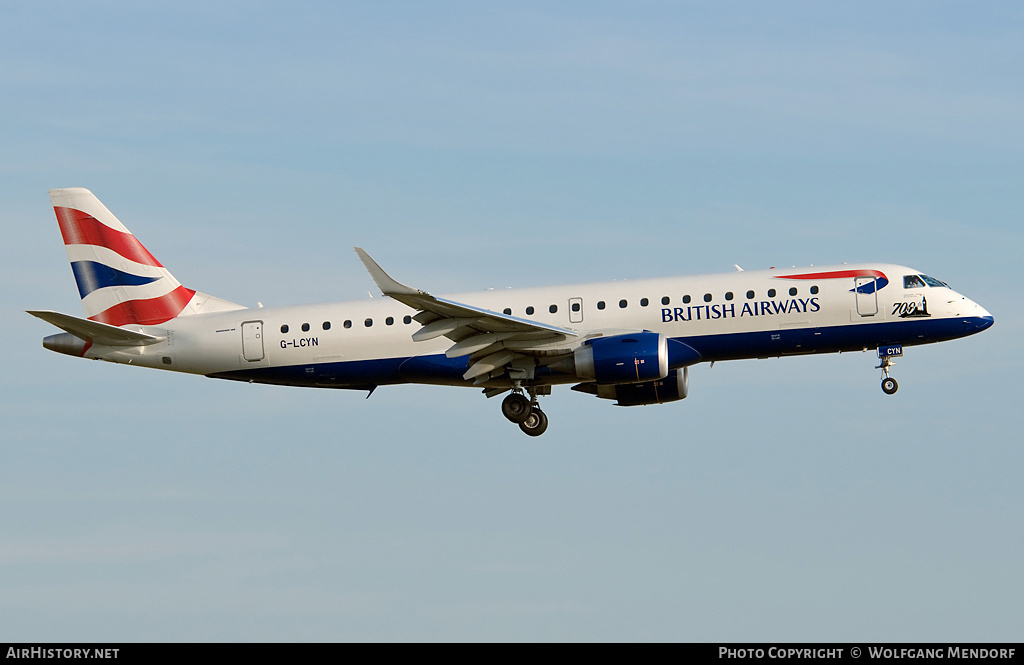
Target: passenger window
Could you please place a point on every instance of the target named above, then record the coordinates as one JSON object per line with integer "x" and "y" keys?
{"x": 553, "y": 309}
{"x": 368, "y": 322}
{"x": 665, "y": 300}
{"x": 686, "y": 299}
{"x": 347, "y": 324}
{"x": 750, "y": 295}
{"x": 390, "y": 321}
{"x": 327, "y": 325}
{"x": 728, "y": 295}
{"x": 644, "y": 302}
{"x": 707, "y": 297}
{"x": 622, "y": 304}
{"x": 507, "y": 311}
{"x": 575, "y": 307}
{"x": 284, "y": 328}
{"x": 792, "y": 291}
{"x": 529, "y": 310}
{"x": 305, "y": 327}
{"x": 814, "y": 290}
{"x": 600, "y": 304}
{"x": 771, "y": 293}
{"x": 407, "y": 320}
{"x": 912, "y": 282}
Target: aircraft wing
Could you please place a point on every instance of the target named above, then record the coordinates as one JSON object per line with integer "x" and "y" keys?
{"x": 495, "y": 342}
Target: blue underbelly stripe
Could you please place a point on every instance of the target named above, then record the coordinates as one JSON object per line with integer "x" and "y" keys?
{"x": 439, "y": 369}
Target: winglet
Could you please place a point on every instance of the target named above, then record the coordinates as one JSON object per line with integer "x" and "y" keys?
{"x": 387, "y": 285}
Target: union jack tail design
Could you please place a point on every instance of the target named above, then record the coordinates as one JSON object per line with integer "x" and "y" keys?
{"x": 120, "y": 282}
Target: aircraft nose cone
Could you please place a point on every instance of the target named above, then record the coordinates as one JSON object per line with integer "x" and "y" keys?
{"x": 980, "y": 318}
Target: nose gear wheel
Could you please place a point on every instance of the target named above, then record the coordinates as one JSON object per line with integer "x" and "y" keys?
{"x": 889, "y": 385}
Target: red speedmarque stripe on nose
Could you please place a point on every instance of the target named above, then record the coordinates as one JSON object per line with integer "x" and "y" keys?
{"x": 835, "y": 274}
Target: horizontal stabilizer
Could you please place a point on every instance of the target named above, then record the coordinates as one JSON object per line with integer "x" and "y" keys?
{"x": 96, "y": 332}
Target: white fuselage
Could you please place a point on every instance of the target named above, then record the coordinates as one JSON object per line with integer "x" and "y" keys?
{"x": 745, "y": 314}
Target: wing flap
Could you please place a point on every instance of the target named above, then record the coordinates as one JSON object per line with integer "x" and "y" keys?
{"x": 439, "y": 328}
{"x": 475, "y": 343}
{"x": 490, "y": 363}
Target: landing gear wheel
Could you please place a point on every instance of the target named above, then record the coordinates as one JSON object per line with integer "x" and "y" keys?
{"x": 536, "y": 423}
{"x": 889, "y": 386}
{"x": 516, "y": 407}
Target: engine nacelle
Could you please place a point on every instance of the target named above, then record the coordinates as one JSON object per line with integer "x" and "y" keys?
{"x": 672, "y": 388}
{"x": 629, "y": 358}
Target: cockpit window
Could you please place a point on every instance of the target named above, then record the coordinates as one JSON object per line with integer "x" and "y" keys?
{"x": 931, "y": 281}
{"x": 912, "y": 282}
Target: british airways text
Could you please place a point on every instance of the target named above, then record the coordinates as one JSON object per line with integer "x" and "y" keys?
{"x": 728, "y": 311}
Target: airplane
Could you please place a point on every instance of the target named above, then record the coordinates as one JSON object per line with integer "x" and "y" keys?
{"x": 628, "y": 341}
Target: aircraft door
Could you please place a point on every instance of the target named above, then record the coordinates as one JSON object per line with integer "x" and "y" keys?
{"x": 252, "y": 340}
{"x": 867, "y": 295}
{"x": 575, "y": 310}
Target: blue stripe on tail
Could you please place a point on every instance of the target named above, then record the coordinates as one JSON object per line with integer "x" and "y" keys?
{"x": 91, "y": 276}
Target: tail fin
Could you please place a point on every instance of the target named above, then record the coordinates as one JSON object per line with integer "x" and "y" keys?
{"x": 119, "y": 280}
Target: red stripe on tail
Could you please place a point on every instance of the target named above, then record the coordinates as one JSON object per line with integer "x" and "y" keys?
{"x": 79, "y": 228}
{"x": 146, "y": 312}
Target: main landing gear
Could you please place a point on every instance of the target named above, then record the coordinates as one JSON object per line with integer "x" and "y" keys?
{"x": 525, "y": 412}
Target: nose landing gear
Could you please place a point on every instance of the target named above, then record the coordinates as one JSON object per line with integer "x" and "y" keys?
{"x": 886, "y": 355}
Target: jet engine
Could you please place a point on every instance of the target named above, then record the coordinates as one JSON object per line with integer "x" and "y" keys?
{"x": 672, "y": 388}
{"x": 635, "y": 357}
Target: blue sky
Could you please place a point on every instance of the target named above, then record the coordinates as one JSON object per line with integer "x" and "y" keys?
{"x": 251, "y": 145}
